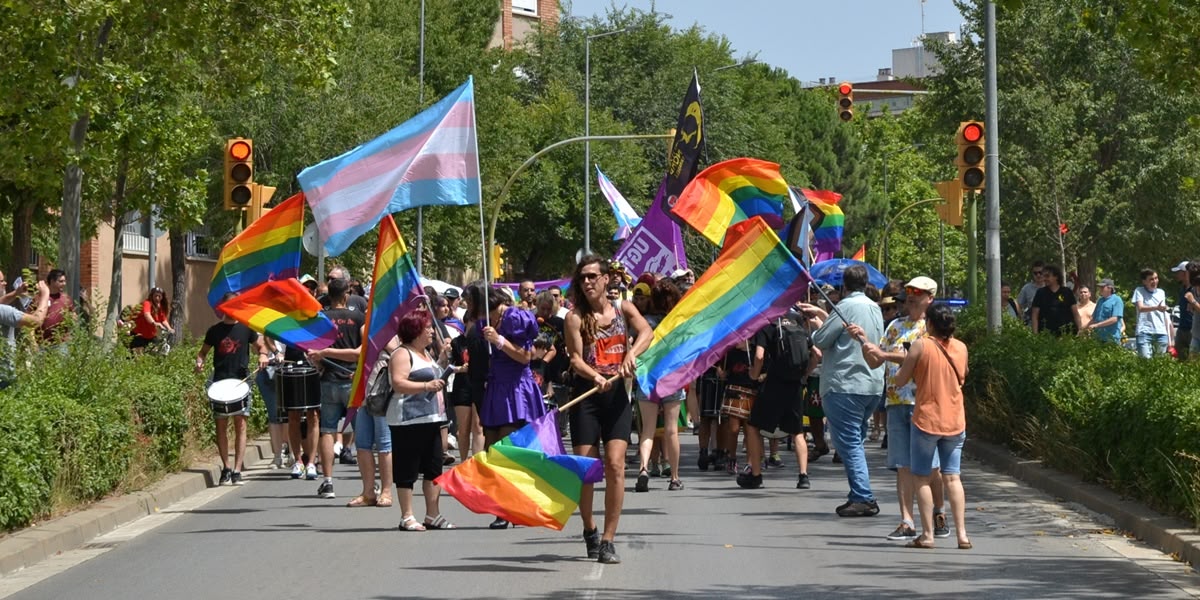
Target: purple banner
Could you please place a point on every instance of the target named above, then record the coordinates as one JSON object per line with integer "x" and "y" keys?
{"x": 540, "y": 286}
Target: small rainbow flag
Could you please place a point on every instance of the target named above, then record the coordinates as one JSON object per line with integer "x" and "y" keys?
{"x": 754, "y": 279}
{"x": 827, "y": 223}
{"x": 861, "y": 254}
{"x": 268, "y": 249}
{"x": 526, "y": 478}
{"x": 396, "y": 283}
{"x": 284, "y": 310}
{"x": 729, "y": 192}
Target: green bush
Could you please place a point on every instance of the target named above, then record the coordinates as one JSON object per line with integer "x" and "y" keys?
{"x": 1090, "y": 408}
{"x": 84, "y": 420}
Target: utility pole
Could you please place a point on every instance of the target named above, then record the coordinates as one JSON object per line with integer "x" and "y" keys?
{"x": 992, "y": 173}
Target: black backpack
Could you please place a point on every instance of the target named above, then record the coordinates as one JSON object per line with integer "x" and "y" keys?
{"x": 379, "y": 386}
{"x": 791, "y": 362}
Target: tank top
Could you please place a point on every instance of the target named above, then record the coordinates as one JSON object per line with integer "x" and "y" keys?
{"x": 607, "y": 352}
{"x": 939, "y": 407}
{"x": 423, "y": 407}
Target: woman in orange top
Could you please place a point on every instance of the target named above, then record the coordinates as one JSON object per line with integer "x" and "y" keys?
{"x": 938, "y": 363}
{"x": 150, "y": 320}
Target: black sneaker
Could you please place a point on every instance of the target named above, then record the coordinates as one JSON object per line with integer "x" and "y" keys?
{"x": 702, "y": 462}
{"x": 858, "y": 509}
{"x": 592, "y": 540}
{"x": 236, "y": 479}
{"x": 347, "y": 457}
{"x": 607, "y": 554}
{"x": 817, "y": 453}
{"x": 803, "y": 483}
{"x": 836, "y": 459}
{"x": 447, "y": 460}
{"x": 749, "y": 481}
{"x": 940, "y": 528}
{"x": 643, "y": 483}
{"x": 883, "y": 446}
{"x": 498, "y": 524}
{"x": 226, "y": 476}
{"x": 326, "y": 489}
{"x": 903, "y": 532}
{"x": 774, "y": 461}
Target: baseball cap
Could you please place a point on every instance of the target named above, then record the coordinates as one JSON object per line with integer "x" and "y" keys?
{"x": 641, "y": 289}
{"x": 306, "y": 278}
{"x": 924, "y": 284}
{"x": 450, "y": 293}
{"x": 887, "y": 301}
{"x": 1106, "y": 282}
{"x": 1180, "y": 267}
{"x": 681, "y": 272}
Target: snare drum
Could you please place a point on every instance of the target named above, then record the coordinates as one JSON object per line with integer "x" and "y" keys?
{"x": 738, "y": 401}
{"x": 229, "y": 397}
{"x": 298, "y": 387}
{"x": 711, "y": 390}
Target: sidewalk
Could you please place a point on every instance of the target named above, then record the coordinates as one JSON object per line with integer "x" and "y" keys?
{"x": 36, "y": 543}
{"x": 1169, "y": 534}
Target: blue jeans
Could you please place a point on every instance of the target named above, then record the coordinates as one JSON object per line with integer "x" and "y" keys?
{"x": 1146, "y": 340}
{"x": 927, "y": 450}
{"x": 266, "y": 388}
{"x": 849, "y": 416}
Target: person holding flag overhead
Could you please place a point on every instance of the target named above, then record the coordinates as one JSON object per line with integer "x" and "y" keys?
{"x": 598, "y": 332}
{"x": 337, "y": 363}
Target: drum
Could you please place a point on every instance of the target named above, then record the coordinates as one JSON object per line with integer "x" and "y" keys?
{"x": 711, "y": 390}
{"x": 229, "y": 397}
{"x": 298, "y": 387}
{"x": 738, "y": 401}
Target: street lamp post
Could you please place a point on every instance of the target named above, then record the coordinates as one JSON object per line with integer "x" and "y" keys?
{"x": 587, "y": 132}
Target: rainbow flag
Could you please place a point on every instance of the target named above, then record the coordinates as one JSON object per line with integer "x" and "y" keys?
{"x": 754, "y": 279}
{"x": 430, "y": 160}
{"x": 268, "y": 249}
{"x": 861, "y": 254}
{"x": 396, "y": 283}
{"x": 827, "y": 222}
{"x": 526, "y": 478}
{"x": 284, "y": 310}
{"x": 729, "y": 192}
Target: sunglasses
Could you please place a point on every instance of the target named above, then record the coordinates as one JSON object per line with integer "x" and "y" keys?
{"x": 912, "y": 291}
{"x": 589, "y": 276}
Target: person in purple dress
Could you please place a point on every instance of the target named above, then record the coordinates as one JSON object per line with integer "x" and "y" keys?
{"x": 511, "y": 398}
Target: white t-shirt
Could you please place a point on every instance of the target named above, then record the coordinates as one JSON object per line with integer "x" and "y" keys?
{"x": 1154, "y": 321}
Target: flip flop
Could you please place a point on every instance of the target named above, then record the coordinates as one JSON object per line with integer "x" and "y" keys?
{"x": 361, "y": 501}
{"x": 410, "y": 524}
{"x": 383, "y": 501}
{"x": 965, "y": 546}
{"x": 917, "y": 543}
{"x": 438, "y": 522}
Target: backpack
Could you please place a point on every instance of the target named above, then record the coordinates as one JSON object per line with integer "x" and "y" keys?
{"x": 379, "y": 386}
{"x": 794, "y": 349}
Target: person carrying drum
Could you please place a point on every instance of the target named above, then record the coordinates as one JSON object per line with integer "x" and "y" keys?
{"x": 230, "y": 342}
{"x": 783, "y": 349}
{"x": 740, "y": 390}
{"x": 338, "y": 362}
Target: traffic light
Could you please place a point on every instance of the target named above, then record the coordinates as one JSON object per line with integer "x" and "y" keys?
{"x": 496, "y": 266}
{"x": 970, "y": 163}
{"x": 951, "y": 211}
{"x": 258, "y": 202}
{"x": 845, "y": 101}
{"x": 239, "y": 173}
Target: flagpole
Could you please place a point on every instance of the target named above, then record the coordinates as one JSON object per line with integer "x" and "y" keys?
{"x": 421, "y": 104}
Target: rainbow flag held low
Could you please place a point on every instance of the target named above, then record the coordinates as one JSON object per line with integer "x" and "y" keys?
{"x": 268, "y": 249}
{"x": 754, "y": 279}
{"x": 729, "y": 192}
{"x": 396, "y": 284}
{"x": 284, "y": 310}
{"x": 827, "y": 222}
{"x": 526, "y": 478}
{"x": 861, "y": 254}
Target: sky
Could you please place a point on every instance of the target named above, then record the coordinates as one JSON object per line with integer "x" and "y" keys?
{"x": 799, "y": 35}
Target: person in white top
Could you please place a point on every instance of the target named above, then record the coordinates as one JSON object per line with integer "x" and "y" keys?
{"x": 1153, "y": 319}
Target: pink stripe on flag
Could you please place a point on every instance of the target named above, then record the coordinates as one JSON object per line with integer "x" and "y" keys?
{"x": 384, "y": 188}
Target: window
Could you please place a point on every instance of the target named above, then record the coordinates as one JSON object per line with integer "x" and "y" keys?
{"x": 525, "y": 7}
{"x": 136, "y": 233}
{"x": 200, "y": 244}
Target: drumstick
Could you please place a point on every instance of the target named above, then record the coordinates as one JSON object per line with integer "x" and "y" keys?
{"x": 581, "y": 397}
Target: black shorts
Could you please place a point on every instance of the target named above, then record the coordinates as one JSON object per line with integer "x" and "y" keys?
{"x": 603, "y": 416}
{"x": 711, "y": 391}
{"x": 416, "y": 451}
{"x": 475, "y": 390}
{"x": 461, "y": 394}
{"x": 780, "y": 405}
{"x": 139, "y": 342}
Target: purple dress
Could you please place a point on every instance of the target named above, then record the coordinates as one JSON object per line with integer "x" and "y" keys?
{"x": 511, "y": 395}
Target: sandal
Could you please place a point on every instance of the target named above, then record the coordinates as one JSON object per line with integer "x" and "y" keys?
{"x": 438, "y": 522}
{"x": 410, "y": 524}
{"x": 384, "y": 500}
{"x": 362, "y": 501}
{"x": 965, "y": 546}
{"x": 918, "y": 543}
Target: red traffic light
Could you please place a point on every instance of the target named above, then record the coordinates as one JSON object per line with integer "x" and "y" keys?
{"x": 972, "y": 132}
{"x": 239, "y": 151}
{"x": 845, "y": 88}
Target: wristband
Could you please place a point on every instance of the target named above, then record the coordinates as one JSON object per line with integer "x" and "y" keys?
{"x": 501, "y": 343}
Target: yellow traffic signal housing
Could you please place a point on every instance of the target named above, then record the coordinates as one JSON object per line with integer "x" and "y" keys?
{"x": 951, "y": 211}
{"x": 845, "y": 101}
{"x": 496, "y": 265}
{"x": 970, "y": 139}
{"x": 260, "y": 197}
{"x": 239, "y": 173}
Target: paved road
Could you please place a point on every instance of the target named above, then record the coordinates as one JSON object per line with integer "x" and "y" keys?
{"x": 273, "y": 538}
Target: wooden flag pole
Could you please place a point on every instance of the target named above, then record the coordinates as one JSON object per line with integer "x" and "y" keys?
{"x": 583, "y": 396}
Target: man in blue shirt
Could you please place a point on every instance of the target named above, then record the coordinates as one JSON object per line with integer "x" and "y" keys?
{"x": 1106, "y": 319}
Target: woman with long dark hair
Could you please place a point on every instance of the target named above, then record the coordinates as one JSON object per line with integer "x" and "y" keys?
{"x": 151, "y": 320}
{"x": 663, "y": 297}
{"x": 598, "y": 331}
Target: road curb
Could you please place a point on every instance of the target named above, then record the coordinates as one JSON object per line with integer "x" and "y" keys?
{"x": 1169, "y": 534}
{"x": 36, "y": 543}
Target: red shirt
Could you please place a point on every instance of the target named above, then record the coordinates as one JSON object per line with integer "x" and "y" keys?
{"x": 56, "y": 313}
{"x": 145, "y": 329}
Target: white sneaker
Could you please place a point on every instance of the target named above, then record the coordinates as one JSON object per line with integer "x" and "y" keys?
{"x": 453, "y": 442}
{"x": 311, "y": 472}
{"x": 297, "y": 470}
{"x": 337, "y": 449}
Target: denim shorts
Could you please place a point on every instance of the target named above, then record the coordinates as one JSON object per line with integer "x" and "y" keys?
{"x": 266, "y": 389}
{"x": 899, "y": 432}
{"x": 335, "y": 397}
{"x": 926, "y": 448}
{"x": 371, "y": 432}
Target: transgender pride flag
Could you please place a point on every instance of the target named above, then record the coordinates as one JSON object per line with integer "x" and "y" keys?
{"x": 429, "y": 160}
{"x": 627, "y": 218}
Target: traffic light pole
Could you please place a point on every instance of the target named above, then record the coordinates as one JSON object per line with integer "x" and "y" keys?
{"x": 972, "y": 248}
{"x": 992, "y": 173}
